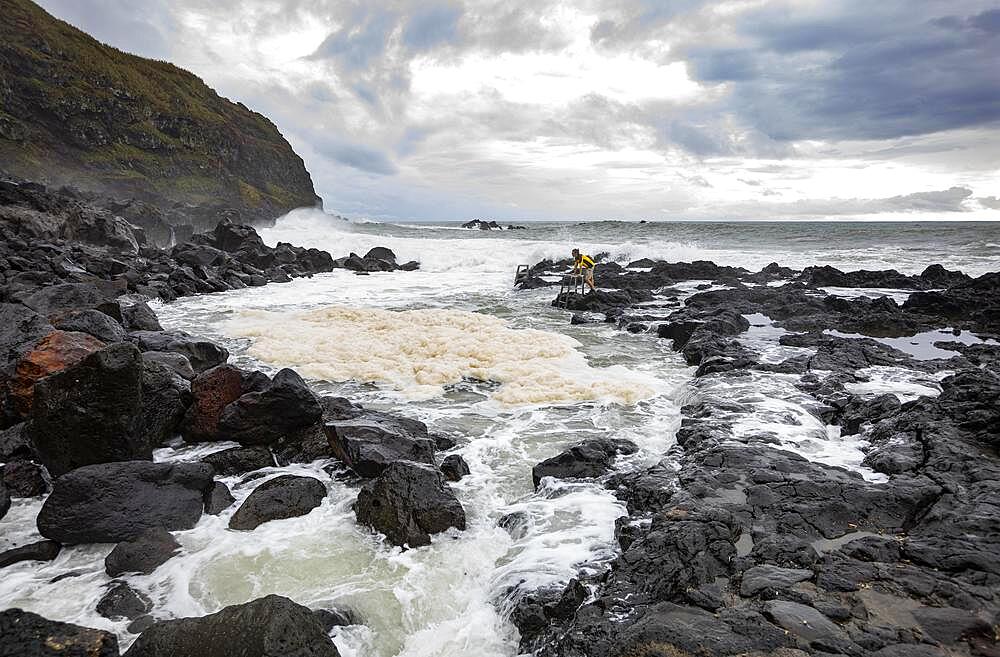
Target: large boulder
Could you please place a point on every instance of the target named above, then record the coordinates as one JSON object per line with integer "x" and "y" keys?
{"x": 92, "y": 322}
{"x": 372, "y": 441}
{"x": 25, "y": 634}
{"x": 91, "y": 412}
{"x": 286, "y": 496}
{"x": 53, "y": 353}
{"x": 408, "y": 502}
{"x": 142, "y": 554}
{"x": 139, "y": 316}
{"x": 272, "y": 626}
{"x": 112, "y": 502}
{"x": 591, "y": 458}
{"x": 62, "y": 298}
{"x": 285, "y": 407}
{"x": 212, "y": 391}
{"x": 202, "y": 354}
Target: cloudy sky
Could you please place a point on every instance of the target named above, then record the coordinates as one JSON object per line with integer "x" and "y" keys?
{"x": 669, "y": 109}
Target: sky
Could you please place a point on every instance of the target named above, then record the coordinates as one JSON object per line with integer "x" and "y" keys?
{"x": 605, "y": 109}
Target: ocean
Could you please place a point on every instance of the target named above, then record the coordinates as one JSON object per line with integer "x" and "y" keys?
{"x": 507, "y": 376}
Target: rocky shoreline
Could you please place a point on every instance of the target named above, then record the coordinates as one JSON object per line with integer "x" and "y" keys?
{"x": 91, "y": 384}
{"x": 734, "y": 545}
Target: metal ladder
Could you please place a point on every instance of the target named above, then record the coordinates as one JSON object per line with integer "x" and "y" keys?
{"x": 522, "y": 273}
{"x": 571, "y": 283}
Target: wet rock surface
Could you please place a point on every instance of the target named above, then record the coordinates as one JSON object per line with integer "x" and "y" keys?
{"x": 31, "y": 635}
{"x": 45, "y": 550}
{"x": 272, "y": 625}
{"x": 370, "y": 442}
{"x": 122, "y": 601}
{"x": 285, "y": 496}
{"x": 734, "y": 545}
{"x": 408, "y": 502}
{"x": 142, "y": 554}
{"x": 113, "y": 502}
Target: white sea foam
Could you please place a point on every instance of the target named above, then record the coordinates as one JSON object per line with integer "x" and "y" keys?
{"x": 420, "y": 351}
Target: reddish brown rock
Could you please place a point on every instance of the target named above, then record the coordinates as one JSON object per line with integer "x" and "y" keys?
{"x": 53, "y": 353}
{"x": 213, "y": 390}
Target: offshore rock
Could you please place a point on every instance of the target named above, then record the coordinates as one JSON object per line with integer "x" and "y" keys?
{"x": 91, "y": 412}
{"x": 112, "y": 502}
{"x": 285, "y": 496}
{"x": 408, "y": 502}
{"x": 29, "y": 635}
{"x": 272, "y": 626}
{"x": 284, "y": 407}
{"x": 142, "y": 554}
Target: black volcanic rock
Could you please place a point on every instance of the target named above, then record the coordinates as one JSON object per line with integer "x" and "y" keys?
{"x": 29, "y": 635}
{"x": 113, "y": 502}
{"x": 142, "y": 554}
{"x": 284, "y": 407}
{"x": 372, "y": 441}
{"x": 91, "y": 412}
{"x": 238, "y": 460}
{"x": 92, "y": 322}
{"x": 454, "y": 467}
{"x": 408, "y": 502}
{"x": 202, "y": 354}
{"x": 25, "y": 479}
{"x": 122, "y": 601}
{"x": 591, "y": 458}
{"x": 44, "y": 550}
{"x": 285, "y": 496}
{"x": 272, "y": 625}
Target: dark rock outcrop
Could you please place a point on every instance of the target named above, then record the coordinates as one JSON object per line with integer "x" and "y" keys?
{"x": 218, "y": 499}
{"x": 202, "y": 354}
{"x": 142, "y": 554}
{"x": 408, "y": 502}
{"x": 25, "y": 479}
{"x": 285, "y": 496}
{"x": 272, "y": 625}
{"x": 112, "y": 502}
{"x": 212, "y": 391}
{"x": 29, "y": 635}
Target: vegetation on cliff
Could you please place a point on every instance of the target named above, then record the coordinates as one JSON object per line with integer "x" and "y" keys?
{"x": 75, "y": 111}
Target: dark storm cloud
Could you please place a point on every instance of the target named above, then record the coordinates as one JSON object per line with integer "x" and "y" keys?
{"x": 860, "y": 71}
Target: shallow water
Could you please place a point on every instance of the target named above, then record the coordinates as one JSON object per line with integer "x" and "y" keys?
{"x": 415, "y": 343}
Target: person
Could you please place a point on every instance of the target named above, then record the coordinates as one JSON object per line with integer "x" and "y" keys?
{"x": 584, "y": 265}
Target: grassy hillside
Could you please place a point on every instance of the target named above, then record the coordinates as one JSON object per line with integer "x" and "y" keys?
{"x": 76, "y": 111}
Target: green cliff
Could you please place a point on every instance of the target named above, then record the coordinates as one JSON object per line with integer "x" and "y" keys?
{"x": 75, "y": 111}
